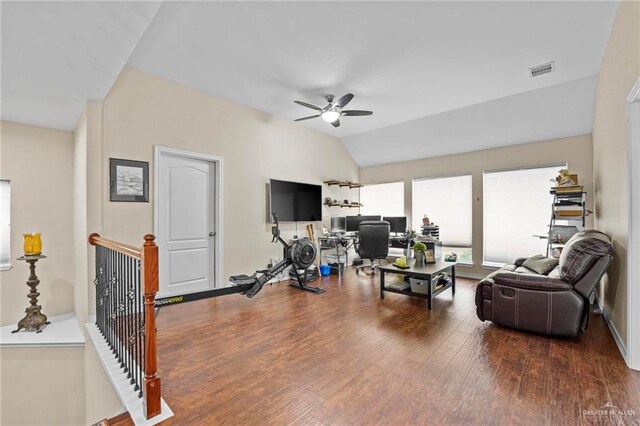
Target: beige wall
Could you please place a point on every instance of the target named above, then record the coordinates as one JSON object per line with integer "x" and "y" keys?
{"x": 43, "y": 386}
{"x": 143, "y": 110}
{"x": 576, "y": 151}
{"x": 45, "y": 167}
{"x": 39, "y": 163}
{"x": 101, "y": 402}
{"x": 620, "y": 70}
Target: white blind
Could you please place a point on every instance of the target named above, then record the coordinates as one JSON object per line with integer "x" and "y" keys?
{"x": 517, "y": 205}
{"x": 385, "y": 199}
{"x": 5, "y": 223}
{"x": 447, "y": 201}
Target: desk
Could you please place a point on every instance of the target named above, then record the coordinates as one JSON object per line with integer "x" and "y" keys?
{"x": 403, "y": 243}
{"x": 425, "y": 272}
{"x": 335, "y": 241}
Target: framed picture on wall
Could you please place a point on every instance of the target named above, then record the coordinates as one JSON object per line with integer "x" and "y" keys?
{"x": 128, "y": 180}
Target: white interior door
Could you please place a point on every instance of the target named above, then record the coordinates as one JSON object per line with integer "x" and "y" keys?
{"x": 186, "y": 224}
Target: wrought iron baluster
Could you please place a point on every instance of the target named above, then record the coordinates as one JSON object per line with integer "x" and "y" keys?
{"x": 127, "y": 313}
{"x": 107, "y": 324}
{"x": 96, "y": 285}
{"x": 141, "y": 313}
{"x": 125, "y": 283}
{"x": 114, "y": 292}
{"x": 99, "y": 288}
{"x": 120, "y": 307}
{"x": 123, "y": 316}
{"x": 130, "y": 342}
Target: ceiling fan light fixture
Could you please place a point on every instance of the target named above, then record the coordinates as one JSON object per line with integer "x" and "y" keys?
{"x": 332, "y": 112}
{"x": 330, "y": 116}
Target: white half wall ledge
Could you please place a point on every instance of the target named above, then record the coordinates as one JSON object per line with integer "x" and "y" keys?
{"x": 63, "y": 331}
{"x": 553, "y": 112}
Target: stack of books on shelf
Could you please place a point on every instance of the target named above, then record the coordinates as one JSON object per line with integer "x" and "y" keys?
{"x": 567, "y": 189}
{"x": 568, "y": 207}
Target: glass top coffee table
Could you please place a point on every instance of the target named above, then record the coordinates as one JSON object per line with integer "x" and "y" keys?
{"x": 426, "y": 273}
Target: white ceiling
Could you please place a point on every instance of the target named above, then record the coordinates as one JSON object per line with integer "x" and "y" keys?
{"x": 403, "y": 60}
{"x": 58, "y": 55}
{"x": 552, "y": 112}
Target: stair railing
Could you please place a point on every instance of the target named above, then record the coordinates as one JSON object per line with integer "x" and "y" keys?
{"x": 126, "y": 284}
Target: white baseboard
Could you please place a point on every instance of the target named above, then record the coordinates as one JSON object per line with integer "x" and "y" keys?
{"x": 614, "y": 331}
{"x": 462, "y": 274}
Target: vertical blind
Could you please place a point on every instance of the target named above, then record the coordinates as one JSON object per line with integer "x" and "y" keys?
{"x": 517, "y": 206}
{"x": 385, "y": 199}
{"x": 448, "y": 203}
{"x": 5, "y": 223}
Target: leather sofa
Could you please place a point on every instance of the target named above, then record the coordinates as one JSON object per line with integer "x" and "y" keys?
{"x": 556, "y": 303}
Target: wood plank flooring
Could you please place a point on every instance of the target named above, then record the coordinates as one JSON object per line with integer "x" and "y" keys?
{"x": 346, "y": 357}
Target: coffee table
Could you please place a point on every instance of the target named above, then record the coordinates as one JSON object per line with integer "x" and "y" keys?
{"x": 426, "y": 273}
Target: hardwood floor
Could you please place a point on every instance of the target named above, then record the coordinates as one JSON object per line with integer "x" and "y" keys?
{"x": 347, "y": 357}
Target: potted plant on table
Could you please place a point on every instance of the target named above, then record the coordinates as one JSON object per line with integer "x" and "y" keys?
{"x": 418, "y": 250}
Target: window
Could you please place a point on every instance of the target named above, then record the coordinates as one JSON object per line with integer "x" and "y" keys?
{"x": 447, "y": 201}
{"x": 517, "y": 206}
{"x": 5, "y": 224}
{"x": 385, "y": 199}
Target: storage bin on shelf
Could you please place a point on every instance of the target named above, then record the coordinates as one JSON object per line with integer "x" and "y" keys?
{"x": 419, "y": 285}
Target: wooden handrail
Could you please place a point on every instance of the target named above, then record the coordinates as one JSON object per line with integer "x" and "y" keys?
{"x": 152, "y": 390}
{"x": 148, "y": 257}
{"x": 96, "y": 240}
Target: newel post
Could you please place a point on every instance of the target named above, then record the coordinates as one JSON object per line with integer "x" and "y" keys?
{"x": 150, "y": 281}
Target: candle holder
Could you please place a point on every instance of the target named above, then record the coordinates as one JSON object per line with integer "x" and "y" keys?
{"x": 35, "y": 320}
{"x": 32, "y": 244}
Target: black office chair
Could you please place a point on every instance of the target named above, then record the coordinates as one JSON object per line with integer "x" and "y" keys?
{"x": 373, "y": 242}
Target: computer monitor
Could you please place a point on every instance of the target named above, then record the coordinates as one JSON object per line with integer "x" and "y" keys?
{"x": 338, "y": 224}
{"x": 353, "y": 222}
{"x": 398, "y": 223}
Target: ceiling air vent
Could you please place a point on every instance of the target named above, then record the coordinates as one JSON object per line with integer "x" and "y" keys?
{"x": 541, "y": 69}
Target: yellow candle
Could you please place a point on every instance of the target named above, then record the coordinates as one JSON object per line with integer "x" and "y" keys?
{"x": 32, "y": 244}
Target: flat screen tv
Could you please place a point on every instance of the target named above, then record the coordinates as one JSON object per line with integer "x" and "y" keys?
{"x": 295, "y": 202}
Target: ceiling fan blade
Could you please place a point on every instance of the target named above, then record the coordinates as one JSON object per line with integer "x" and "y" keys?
{"x": 340, "y": 103}
{"x": 355, "y": 112}
{"x": 307, "y": 118}
{"x": 335, "y": 123}
{"x": 308, "y": 105}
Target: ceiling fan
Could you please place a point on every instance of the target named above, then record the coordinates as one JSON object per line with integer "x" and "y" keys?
{"x": 333, "y": 111}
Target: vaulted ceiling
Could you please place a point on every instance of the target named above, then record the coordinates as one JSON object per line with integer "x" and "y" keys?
{"x": 420, "y": 66}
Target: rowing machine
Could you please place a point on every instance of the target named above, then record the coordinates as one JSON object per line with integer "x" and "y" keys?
{"x": 300, "y": 254}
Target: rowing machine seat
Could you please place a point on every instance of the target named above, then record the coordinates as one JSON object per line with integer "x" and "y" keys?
{"x": 243, "y": 279}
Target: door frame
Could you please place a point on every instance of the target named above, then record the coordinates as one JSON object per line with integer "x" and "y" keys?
{"x": 633, "y": 244}
{"x": 158, "y": 151}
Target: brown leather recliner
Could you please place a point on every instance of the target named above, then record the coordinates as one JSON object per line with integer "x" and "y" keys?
{"x": 555, "y": 304}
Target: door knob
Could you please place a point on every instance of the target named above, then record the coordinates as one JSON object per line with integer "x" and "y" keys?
{"x": 212, "y": 234}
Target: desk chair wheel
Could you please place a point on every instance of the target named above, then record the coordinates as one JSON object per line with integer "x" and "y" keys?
{"x": 363, "y": 268}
